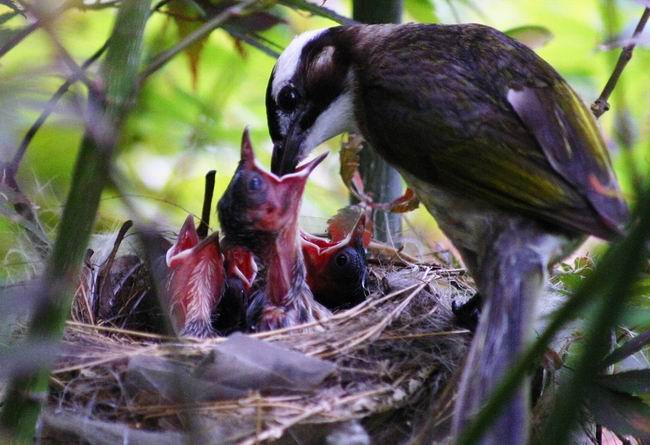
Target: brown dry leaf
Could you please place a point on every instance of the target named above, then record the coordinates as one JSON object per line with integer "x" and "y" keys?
{"x": 405, "y": 203}
{"x": 231, "y": 370}
{"x": 187, "y": 21}
{"x": 339, "y": 225}
{"x": 349, "y": 156}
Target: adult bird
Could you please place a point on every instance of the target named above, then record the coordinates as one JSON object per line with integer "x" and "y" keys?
{"x": 493, "y": 141}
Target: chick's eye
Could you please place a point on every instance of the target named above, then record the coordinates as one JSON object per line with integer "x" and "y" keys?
{"x": 341, "y": 260}
{"x": 254, "y": 184}
{"x": 288, "y": 98}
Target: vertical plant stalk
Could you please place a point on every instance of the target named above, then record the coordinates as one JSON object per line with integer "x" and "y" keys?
{"x": 381, "y": 181}
{"x": 105, "y": 115}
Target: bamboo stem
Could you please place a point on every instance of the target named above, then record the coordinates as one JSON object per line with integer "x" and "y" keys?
{"x": 107, "y": 111}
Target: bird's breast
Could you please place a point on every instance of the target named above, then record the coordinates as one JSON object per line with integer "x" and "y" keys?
{"x": 463, "y": 220}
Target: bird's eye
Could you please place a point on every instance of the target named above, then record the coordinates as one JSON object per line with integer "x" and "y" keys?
{"x": 341, "y": 260}
{"x": 254, "y": 184}
{"x": 288, "y": 98}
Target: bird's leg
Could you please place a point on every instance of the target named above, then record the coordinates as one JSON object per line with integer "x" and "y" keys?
{"x": 510, "y": 280}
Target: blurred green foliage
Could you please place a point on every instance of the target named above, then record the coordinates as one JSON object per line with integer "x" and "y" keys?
{"x": 177, "y": 131}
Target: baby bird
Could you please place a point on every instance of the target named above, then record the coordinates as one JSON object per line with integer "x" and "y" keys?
{"x": 259, "y": 211}
{"x": 196, "y": 281}
{"x": 336, "y": 268}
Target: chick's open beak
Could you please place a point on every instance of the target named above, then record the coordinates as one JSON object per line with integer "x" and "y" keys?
{"x": 196, "y": 281}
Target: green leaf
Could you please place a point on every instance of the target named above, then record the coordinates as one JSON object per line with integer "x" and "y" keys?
{"x": 7, "y": 16}
{"x": 621, "y": 413}
{"x": 423, "y": 11}
{"x": 11, "y": 5}
{"x": 630, "y": 382}
{"x": 631, "y": 347}
{"x": 570, "y": 276}
{"x": 532, "y": 36}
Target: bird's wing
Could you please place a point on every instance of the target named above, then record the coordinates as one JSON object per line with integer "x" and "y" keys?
{"x": 567, "y": 133}
{"x": 505, "y": 129}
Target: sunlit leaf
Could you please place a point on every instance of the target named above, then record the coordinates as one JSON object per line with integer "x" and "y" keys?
{"x": 621, "y": 413}
{"x": 532, "y": 36}
{"x": 422, "y": 10}
{"x": 631, "y": 382}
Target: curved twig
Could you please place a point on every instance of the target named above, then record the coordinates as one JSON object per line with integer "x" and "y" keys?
{"x": 600, "y": 105}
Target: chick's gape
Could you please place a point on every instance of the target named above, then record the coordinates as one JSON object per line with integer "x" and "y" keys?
{"x": 259, "y": 211}
{"x": 493, "y": 141}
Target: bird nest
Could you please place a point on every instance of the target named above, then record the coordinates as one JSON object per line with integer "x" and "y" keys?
{"x": 361, "y": 376}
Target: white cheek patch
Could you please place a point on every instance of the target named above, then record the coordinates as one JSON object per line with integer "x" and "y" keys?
{"x": 336, "y": 119}
{"x": 289, "y": 60}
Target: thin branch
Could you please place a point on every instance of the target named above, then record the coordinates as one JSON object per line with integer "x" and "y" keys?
{"x": 161, "y": 59}
{"x": 69, "y": 61}
{"x": 50, "y": 107}
{"x": 20, "y": 35}
{"x": 318, "y": 10}
{"x": 253, "y": 40}
{"x": 600, "y": 106}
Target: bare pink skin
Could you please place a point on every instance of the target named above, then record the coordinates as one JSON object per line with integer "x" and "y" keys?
{"x": 240, "y": 265}
{"x": 196, "y": 281}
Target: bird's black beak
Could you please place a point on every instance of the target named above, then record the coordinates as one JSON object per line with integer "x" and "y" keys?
{"x": 288, "y": 152}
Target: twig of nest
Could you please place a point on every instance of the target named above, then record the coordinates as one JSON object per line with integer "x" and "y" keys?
{"x": 386, "y": 355}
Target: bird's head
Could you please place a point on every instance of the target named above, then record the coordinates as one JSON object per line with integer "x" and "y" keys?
{"x": 258, "y": 202}
{"x": 336, "y": 268}
{"x": 308, "y": 98}
{"x": 196, "y": 282}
